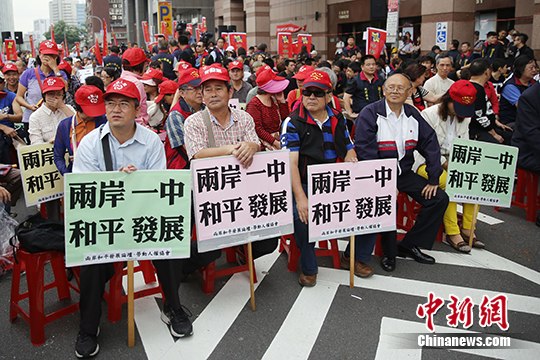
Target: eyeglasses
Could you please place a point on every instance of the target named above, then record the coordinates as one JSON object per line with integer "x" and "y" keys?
{"x": 199, "y": 45}
{"x": 124, "y": 105}
{"x": 318, "y": 93}
{"x": 396, "y": 89}
{"x": 197, "y": 89}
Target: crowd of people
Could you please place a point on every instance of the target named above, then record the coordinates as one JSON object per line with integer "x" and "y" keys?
{"x": 161, "y": 109}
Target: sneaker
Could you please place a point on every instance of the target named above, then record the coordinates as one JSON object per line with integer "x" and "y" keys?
{"x": 178, "y": 321}
{"x": 86, "y": 346}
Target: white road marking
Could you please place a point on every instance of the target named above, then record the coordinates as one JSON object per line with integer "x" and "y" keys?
{"x": 308, "y": 312}
{"x": 394, "y": 345}
{"x": 216, "y": 319}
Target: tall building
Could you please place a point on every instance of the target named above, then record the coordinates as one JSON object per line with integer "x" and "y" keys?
{"x": 65, "y": 10}
{"x": 6, "y": 15}
{"x": 41, "y": 26}
{"x": 81, "y": 13}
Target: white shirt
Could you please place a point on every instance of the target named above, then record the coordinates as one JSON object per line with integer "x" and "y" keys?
{"x": 437, "y": 85}
{"x": 43, "y": 123}
{"x": 397, "y": 123}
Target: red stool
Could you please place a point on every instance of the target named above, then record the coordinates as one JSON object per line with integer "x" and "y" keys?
{"x": 210, "y": 273}
{"x": 115, "y": 297}
{"x": 35, "y": 266}
{"x": 287, "y": 243}
{"x": 526, "y": 193}
{"x": 407, "y": 211}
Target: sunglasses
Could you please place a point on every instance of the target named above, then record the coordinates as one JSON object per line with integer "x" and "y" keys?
{"x": 318, "y": 93}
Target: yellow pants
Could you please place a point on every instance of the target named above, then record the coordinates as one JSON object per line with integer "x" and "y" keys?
{"x": 451, "y": 226}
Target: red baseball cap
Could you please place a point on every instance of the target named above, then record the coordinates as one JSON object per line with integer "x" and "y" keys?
{"x": 268, "y": 81}
{"x": 64, "y": 65}
{"x": 90, "y": 99}
{"x": 214, "y": 72}
{"x": 303, "y": 72}
{"x": 182, "y": 65}
{"x": 463, "y": 93}
{"x": 134, "y": 56}
{"x": 318, "y": 79}
{"x": 152, "y": 77}
{"x": 52, "y": 84}
{"x": 166, "y": 87}
{"x": 190, "y": 76}
{"x": 123, "y": 87}
{"x": 48, "y": 47}
{"x": 236, "y": 65}
{"x": 10, "y": 67}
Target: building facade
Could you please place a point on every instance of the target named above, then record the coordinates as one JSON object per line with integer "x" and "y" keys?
{"x": 6, "y": 15}
{"x": 41, "y": 26}
{"x": 64, "y": 10}
{"x": 330, "y": 21}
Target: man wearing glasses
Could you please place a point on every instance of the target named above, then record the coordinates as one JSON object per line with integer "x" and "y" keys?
{"x": 200, "y": 54}
{"x": 315, "y": 134}
{"x": 389, "y": 128}
{"x": 133, "y": 147}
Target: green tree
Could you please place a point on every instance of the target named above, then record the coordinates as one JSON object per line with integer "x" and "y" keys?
{"x": 73, "y": 33}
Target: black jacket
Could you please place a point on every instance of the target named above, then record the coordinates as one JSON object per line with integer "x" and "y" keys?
{"x": 527, "y": 129}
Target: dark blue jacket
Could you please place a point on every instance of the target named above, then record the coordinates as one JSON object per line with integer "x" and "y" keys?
{"x": 527, "y": 129}
{"x": 62, "y": 143}
{"x": 375, "y": 139}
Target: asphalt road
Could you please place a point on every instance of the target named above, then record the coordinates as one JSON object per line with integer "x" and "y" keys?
{"x": 330, "y": 321}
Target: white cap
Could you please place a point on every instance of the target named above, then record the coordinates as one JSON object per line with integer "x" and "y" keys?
{"x": 230, "y": 48}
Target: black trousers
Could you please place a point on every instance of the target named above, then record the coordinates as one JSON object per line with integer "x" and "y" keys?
{"x": 486, "y": 137}
{"x": 94, "y": 277}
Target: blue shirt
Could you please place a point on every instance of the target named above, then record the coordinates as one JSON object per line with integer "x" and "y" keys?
{"x": 6, "y": 107}
{"x": 144, "y": 150}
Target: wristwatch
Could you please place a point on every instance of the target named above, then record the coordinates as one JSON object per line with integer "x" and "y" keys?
{"x": 59, "y": 73}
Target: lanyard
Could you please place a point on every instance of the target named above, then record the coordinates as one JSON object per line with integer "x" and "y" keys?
{"x": 73, "y": 134}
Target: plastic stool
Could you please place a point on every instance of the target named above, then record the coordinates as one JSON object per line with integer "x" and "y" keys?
{"x": 210, "y": 273}
{"x": 115, "y": 297}
{"x": 287, "y": 243}
{"x": 35, "y": 269}
{"x": 526, "y": 194}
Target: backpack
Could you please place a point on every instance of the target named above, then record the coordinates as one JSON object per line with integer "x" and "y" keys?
{"x": 36, "y": 234}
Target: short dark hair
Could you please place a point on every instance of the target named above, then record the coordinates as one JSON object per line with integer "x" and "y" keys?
{"x": 114, "y": 49}
{"x": 520, "y": 64}
{"x": 288, "y": 61}
{"x": 173, "y": 43}
{"x": 414, "y": 71}
{"x": 435, "y": 47}
{"x": 466, "y": 42}
{"x": 325, "y": 64}
{"x": 95, "y": 81}
{"x": 269, "y": 62}
{"x": 491, "y": 33}
{"x": 455, "y": 43}
{"x": 497, "y": 64}
{"x": 478, "y": 67}
{"x": 426, "y": 58}
{"x": 183, "y": 40}
{"x": 354, "y": 66}
{"x": 523, "y": 37}
{"x": 366, "y": 57}
{"x": 137, "y": 68}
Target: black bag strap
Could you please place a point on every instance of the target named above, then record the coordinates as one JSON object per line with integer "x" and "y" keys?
{"x": 107, "y": 152}
{"x": 208, "y": 124}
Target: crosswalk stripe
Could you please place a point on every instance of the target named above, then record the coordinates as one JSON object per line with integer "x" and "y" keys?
{"x": 310, "y": 307}
{"x": 216, "y": 319}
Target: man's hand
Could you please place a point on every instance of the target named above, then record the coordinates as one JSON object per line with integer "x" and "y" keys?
{"x": 5, "y": 196}
{"x": 128, "y": 169}
{"x": 8, "y": 131}
{"x": 244, "y": 152}
{"x": 429, "y": 191}
{"x": 503, "y": 126}
{"x": 351, "y": 157}
{"x": 302, "y": 207}
{"x": 499, "y": 138}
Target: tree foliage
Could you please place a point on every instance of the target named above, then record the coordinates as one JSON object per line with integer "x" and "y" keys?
{"x": 73, "y": 33}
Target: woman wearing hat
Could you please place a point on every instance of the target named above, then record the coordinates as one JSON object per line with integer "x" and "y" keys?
{"x": 450, "y": 119}
{"x": 29, "y": 92}
{"x": 269, "y": 107}
{"x": 162, "y": 103}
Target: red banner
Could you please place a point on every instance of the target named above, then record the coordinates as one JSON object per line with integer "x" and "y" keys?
{"x": 237, "y": 40}
{"x": 97, "y": 51}
{"x": 288, "y": 28}
{"x": 285, "y": 45}
{"x": 304, "y": 40}
{"x": 114, "y": 37}
{"x": 66, "y": 47}
{"x": 376, "y": 40}
{"x": 105, "y": 43}
{"x": 11, "y": 50}
{"x": 52, "y": 32}
{"x": 78, "y": 49}
{"x": 32, "y": 47}
{"x": 174, "y": 25}
{"x": 203, "y": 26}
{"x": 164, "y": 28}
{"x": 189, "y": 28}
{"x": 146, "y": 31}
{"x": 197, "y": 34}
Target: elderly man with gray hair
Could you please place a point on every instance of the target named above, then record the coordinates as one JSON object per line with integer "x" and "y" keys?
{"x": 439, "y": 84}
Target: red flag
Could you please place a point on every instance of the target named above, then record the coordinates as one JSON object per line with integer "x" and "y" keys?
{"x": 164, "y": 28}
{"x": 146, "y": 32}
{"x": 97, "y": 51}
{"x": 105, "y": 44}
{"x": 11, "y": 50}
{"x": 189, "y": 28}
{"x": 52, "y": 32}
{"x": 285, "y": 45}
{"x": 78, "y": 49}
{"x": 114, "y": 38}
{"x": 203, "y": 25}
{"x": 288, "y": 28}
{"x": 31, "y": 37}
{"x": 304, "y": 40}
{"x": 66, "y": 48}
{"x": 376, "y": 40}
{"x": 237, "y": 40}
{"x": 197, "y": 34}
